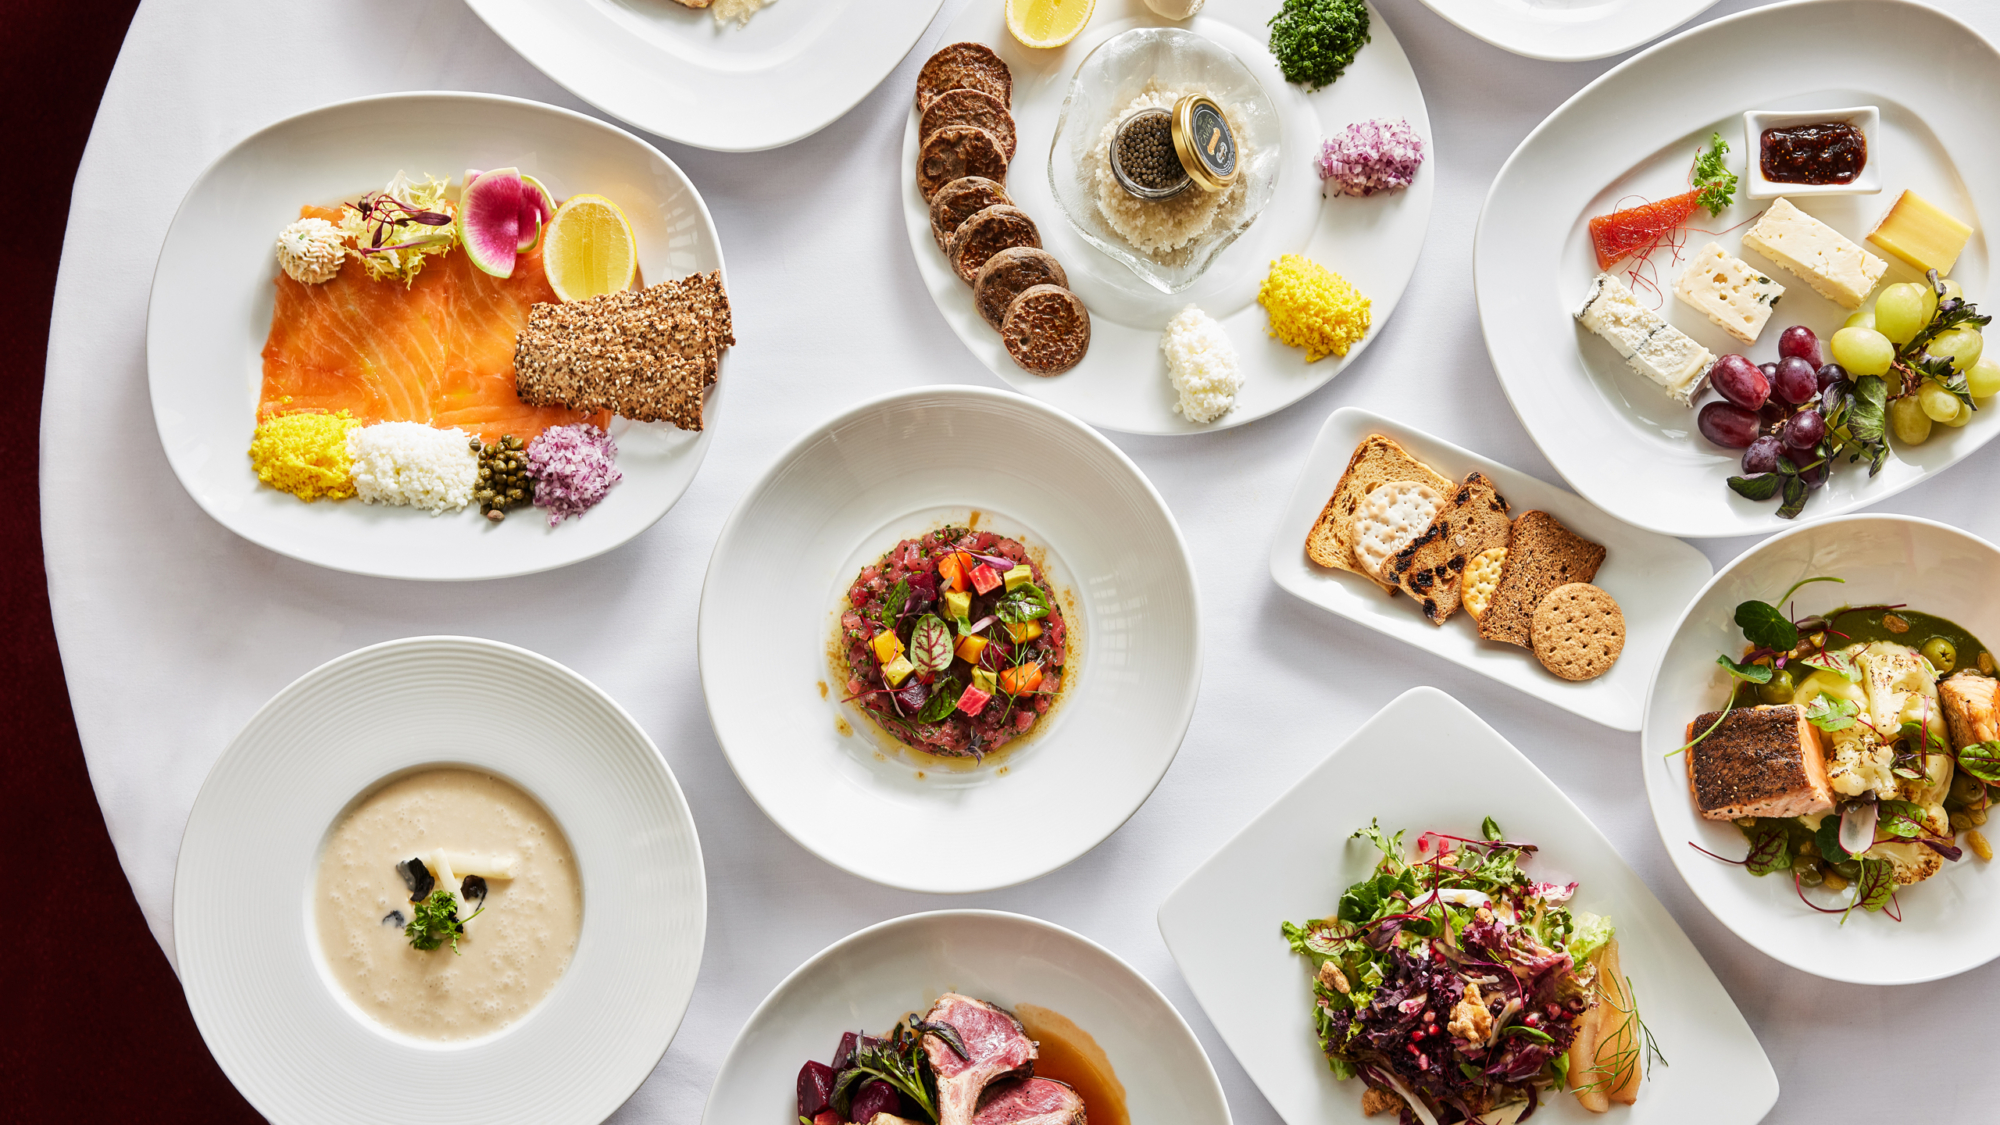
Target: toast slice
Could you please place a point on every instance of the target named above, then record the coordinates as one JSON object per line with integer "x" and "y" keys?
{"x": 1541, "y": 555}
{"x": 1376, "y": 460}
{"x": 1429, "y": 568}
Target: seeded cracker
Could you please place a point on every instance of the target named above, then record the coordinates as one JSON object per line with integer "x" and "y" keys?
{"x": 646, "y": 355}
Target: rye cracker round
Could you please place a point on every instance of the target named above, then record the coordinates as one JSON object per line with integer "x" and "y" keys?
{"x": 987, "y": 233}
{"x": 1391, "y": 515}
{"x": 1010, "y": 273}
{"x": 1047, "y": 330}
{"x": 976, "y": 108}
{"x": 958, "y": 201}
{"x": 964, "y": 66}
{"x": 1578, "y": 631}
{"x": 956, "y": 151}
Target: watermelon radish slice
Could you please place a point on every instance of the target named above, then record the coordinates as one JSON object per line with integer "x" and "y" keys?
{"x": 489, "y": 220}
{"x": 537, "y": 208}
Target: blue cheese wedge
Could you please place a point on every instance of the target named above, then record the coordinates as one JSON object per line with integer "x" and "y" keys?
{"x": 1835, "y": 266}
{"x": 1652, "y": 347}
{"x": 1729, "y": 292}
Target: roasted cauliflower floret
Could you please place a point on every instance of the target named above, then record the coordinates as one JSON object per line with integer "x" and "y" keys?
{"x": 1897, "y": 686}
{"x": 1913, "y": 862}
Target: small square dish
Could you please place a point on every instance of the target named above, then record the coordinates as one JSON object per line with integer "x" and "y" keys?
{"x": 1292, "y": 861}
{"x": 1653, "y": 577}
{"x": 1756, "y": 185}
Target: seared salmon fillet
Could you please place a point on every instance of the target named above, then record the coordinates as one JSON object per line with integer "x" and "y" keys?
{"x": 1760, "y": 761}
{"x": 1971, "y": 708}
{"x": 438, "y": 351}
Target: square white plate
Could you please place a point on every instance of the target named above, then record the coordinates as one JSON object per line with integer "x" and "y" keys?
{"x": 1293, "y": 861}
{"x": 1653, "y": 577}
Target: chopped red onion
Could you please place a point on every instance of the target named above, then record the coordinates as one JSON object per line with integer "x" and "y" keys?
{"x": 574, "y": 467}
{"x": 1371, "y": 156}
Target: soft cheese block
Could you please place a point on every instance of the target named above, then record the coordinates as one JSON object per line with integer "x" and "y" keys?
{"x": 1919, "y": 232}
{"x": 1835, "y": 266}
{"x": 1653, "y": 348}
{"x": 1728, "y": 291}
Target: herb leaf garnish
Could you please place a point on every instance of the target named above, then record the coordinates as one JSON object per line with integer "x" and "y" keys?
{"x": 1981, "y": 760}
{"x": 1830, "y": 714}
{"x": 892, "y": 606}
{"x": 930, "y": 644}
{"x": 435, "y": 921}
{"x": 895, "y": 1059}
{"x": 1713, "y": 178}
{"x": 1753, "y": 673}
{"x": 1770, "y": 850}
{"x": 1024, "y": 603}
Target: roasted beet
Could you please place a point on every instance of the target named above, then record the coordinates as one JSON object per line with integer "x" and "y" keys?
{"x": 815, "y": 1089}
{"x": 844, "y": 1057}
{"x": 876, "y": 1096}
{"x": 912, "y": 695}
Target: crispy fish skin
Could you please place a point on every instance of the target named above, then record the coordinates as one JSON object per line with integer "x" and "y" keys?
{"x": 1759, "y": 761}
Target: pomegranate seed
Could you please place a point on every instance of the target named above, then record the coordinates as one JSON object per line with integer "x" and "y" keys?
{"x": 1430, "y": 1017}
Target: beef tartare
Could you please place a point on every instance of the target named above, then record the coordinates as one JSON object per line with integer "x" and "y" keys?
{"x": 954, "y": 642}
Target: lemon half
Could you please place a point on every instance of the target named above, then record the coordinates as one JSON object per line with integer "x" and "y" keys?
{"x": 589, "y": 249}
{"x": 1047, "y": 23}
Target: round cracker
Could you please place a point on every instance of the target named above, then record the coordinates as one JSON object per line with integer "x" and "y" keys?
{"x": 1578, "y": 631}
{"x": 958, "y": 201}
{"x": 976, "y": 108}
{"x": 985, "y": 234}
{"x": 1047, "y": 329}
{"x": 956, "y": 151}
{"x": 1010, "y": 273}
{"x": 964, "y": 66}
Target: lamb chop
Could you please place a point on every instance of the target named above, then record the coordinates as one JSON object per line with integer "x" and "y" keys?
{"x": 995, "y": 1044}
{"x": 1030, "y": 1101}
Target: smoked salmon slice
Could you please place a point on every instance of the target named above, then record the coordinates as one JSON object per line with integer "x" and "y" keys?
{"x": 439, "y": 350}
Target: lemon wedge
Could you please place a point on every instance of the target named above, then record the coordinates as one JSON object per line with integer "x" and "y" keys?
{"x": 1047, "y": 23}
{"x": 589, "y": 249}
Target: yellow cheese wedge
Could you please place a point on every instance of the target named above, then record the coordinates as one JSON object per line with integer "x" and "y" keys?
{"x": 1920, "y": 234}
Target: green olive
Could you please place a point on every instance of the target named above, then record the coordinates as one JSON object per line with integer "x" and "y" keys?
{"x": 1942, "y": 654}
{"x": 1808, "y": 871}
{"x": 1779, "y": 688}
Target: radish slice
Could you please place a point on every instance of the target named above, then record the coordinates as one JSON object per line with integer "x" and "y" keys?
{"x": 489, "y": 220}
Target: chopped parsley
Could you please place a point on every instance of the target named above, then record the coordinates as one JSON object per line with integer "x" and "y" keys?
{"x": 435, "y": 921}
{"x": 1314, "y": 40}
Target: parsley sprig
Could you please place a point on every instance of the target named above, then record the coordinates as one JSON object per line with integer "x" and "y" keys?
{"x": 435, "y": 921}
{"x": 1713, "y": 178}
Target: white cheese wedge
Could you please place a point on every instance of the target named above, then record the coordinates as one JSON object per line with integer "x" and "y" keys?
{"x": 1652, "y": 347}
{"x": 1835, "y": 266}
{"x": 1728, "y": 291}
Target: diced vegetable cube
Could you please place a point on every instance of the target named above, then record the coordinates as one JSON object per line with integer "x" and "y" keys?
{"x": 1025, "y": 631}
{"x": 1019, "y": 576}
{"x": 887, "y": 646}
{"x": 951, "y": 572}
{"x": 897, "y": 670}
{"x": 973, "y": 701}
{"x": 984, "y": 681}
{"x": 958, "y": 605}
{"x": 969, "y": 648}
{"x": 985, "y": 579}
{"x": 1021, "y": 680}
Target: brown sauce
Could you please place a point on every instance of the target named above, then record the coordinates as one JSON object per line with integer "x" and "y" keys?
{"x": 1825, "y": 152}
{"x": 1067, "y": 1053}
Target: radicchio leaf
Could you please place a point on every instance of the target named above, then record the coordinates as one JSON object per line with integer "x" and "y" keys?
{"x": 930, "y": 644}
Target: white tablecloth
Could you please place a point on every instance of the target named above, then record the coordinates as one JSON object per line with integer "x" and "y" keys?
{"x": 174, "y": 631}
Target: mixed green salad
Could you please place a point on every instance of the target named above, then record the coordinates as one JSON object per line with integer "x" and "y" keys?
{"x": 1459, "y": 988}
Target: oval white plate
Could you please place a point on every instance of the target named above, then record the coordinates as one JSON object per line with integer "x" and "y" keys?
{"x": 870, "y": 979}
{"x": 1425, "y": 763}
{"x": 1949, "y": 919}
{"x": 671, "y": 70}
{"x": 1653, "y": 577}
{"x": 255, "y": 979}
{"x": 211, "y": 310}
{"x": 1615, "y": 437}
{"x": 1122, "y": 383}
{"x": 892, "y": 468}
{"x": 1568, "y": 30}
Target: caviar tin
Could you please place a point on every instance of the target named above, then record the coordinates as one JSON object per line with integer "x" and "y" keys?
{"x": 1204, "y": 142}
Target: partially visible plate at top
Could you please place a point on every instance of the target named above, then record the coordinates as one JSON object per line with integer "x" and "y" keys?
{"x": 1122, "y": 383}
{"x": 1568, "y": 30}
{"x": 787, "y": 73}
{"x": 211, "y": 310}
{"x": 1630, "y": 136}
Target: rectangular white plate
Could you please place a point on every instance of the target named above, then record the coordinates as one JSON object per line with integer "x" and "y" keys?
{"x": 1425, "y": 762}
{"x": 1653, "y": 577}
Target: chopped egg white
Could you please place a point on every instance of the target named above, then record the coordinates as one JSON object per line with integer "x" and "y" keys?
{"x": 1201, "y": 362}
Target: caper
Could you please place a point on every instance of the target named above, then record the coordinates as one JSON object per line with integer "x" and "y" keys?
{"x": 1808, "y": 871}
{"x": 1779, "y": 688}
{"x": 1848, "y": 869}
{"x": 1942, "y": 654}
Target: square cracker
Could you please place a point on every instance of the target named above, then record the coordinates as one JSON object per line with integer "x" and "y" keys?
{"x": 1377, "y": 460}
{"x": 1473, "y": 520}
{"x": 1541, "y": 555}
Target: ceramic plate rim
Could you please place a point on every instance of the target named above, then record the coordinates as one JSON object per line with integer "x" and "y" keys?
{"x": 1578, "y": 40}
{"x": 264, "y": 537}
{"x": 1302, "y": 510}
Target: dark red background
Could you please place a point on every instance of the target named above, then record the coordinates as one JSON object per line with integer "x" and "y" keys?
{"x": 92, "y": 1023}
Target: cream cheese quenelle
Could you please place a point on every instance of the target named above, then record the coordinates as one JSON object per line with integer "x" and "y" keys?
{"x": 447, "y": 904}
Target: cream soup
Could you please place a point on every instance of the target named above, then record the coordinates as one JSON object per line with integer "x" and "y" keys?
{"x": 509, "y": 957}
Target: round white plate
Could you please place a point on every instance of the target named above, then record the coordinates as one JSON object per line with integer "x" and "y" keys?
{"x": 1122, "y": 383}
{"x": 1615, "y": 436}
{"x": 1427, "y": 763}
{"x": 892, "y": 468}
{"x": 870, "y": 979}
{"x": 1568, "y": 30}
{"x": 211, "y": 310}
{"x": 255, "y": 979}
{"x": 1949, "y": 919}
{"x": 672, "y": 70}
